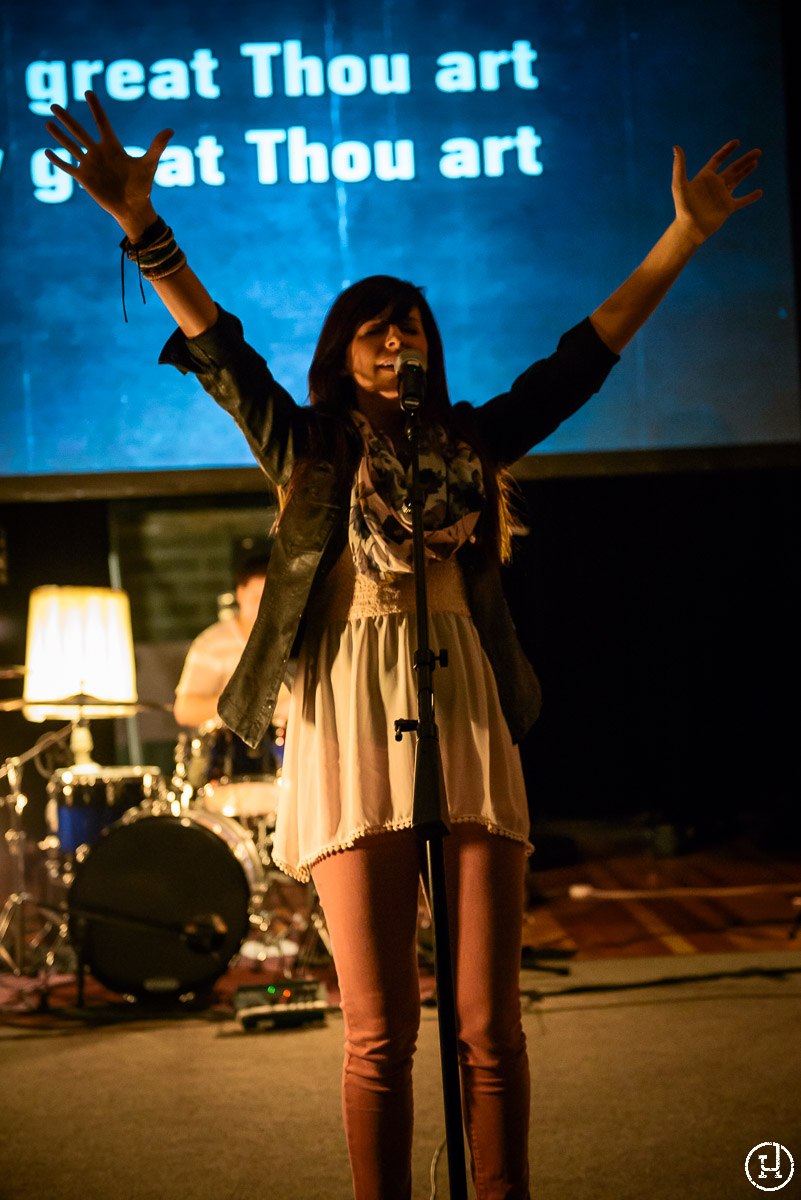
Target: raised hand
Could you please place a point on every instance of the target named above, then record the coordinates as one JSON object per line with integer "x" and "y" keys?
{"x": 118, "y": 182}
{"x": 704, "y": 203}
{"x": 121, "y": 184}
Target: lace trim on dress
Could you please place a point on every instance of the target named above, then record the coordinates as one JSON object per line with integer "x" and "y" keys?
{"x": 302, "y": 873}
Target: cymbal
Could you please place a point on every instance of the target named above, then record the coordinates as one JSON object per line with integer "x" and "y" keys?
{"x": 83, "y": 701}
{"x": 11, "y": 672}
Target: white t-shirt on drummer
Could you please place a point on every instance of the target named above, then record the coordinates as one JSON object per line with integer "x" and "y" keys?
{"x": 212, "y": 659}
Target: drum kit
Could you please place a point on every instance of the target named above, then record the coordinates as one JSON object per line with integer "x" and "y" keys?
{"x": 159, "y": 883}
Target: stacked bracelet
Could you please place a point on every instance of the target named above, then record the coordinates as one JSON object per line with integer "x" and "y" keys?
{"x": 156, "y": 255}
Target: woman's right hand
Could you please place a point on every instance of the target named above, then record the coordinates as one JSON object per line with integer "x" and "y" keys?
{"x": 118, "y": 182}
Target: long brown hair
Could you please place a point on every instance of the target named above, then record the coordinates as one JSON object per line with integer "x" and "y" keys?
{"x": 332, "y": 392}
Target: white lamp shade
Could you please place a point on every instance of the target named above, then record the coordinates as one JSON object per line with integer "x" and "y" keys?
{"x": 79, "y": 644}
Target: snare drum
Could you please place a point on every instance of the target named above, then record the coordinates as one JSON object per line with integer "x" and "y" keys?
{"x": 82, "y": 803}
{"x": 232, "y": 779}
{"x": 161, "y": 903}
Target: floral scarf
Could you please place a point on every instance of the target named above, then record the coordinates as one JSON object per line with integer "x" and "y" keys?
{"x": 380, "y": 524}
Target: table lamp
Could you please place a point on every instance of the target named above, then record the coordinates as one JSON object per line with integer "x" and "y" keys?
{"x": 79, "y": 659}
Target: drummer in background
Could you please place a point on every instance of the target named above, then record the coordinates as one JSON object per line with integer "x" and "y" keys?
{"x": 215, "y": 652}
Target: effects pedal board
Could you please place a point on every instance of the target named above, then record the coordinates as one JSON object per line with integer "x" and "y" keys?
{"x": 282, "y": 1003}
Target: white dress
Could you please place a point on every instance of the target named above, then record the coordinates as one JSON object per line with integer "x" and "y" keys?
{"x": 344, "y": 775}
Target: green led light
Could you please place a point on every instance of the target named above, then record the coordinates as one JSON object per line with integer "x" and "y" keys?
{"x": 271, "y": 989}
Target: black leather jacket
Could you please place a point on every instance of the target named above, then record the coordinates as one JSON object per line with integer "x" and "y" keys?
{"x": 313, "y": 527}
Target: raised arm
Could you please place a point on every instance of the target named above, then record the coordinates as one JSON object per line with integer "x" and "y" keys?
{"x": 121, "y": 185}
{"x": 702, "y": 205}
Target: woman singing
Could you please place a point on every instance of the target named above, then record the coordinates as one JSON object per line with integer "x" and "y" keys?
{"x": 342, "y": 560}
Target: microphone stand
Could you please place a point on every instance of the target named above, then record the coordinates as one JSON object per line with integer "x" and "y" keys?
{"x": 429, "y": 804}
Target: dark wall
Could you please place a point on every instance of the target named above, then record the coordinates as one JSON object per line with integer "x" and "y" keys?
{"x": 662, "y": 612}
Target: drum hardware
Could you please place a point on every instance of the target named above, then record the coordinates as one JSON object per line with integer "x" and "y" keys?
{"x": 85, "y": 704}
{"x": 88, "y": 789}
{"x": 156, "y": 907}
{"x": 84, "y": 801}
{"x": 232, "y": 779}
{"x": 189, "y": 934}
{"x": 316, "y": 936}
{"x": 13, "y": 918}
{"x": 287, "y": 928}
{"x": 160, "y": 898}
{"x": 279, "y": 924}
{"x": 168, "y": 928}
{"x": 204, "y": 934}
{"x": 224, "y": 775}
{"x": 262, "y": 829}
{"x": 183, "y": 758}
{"x": 317, "y": 919}
{"x": 241, "y": 797}
{"x": 227, "y": 775}
{"x": 271, "y": 943}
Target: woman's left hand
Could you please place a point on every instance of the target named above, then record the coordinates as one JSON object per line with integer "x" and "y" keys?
{"x": 704, "y": 203}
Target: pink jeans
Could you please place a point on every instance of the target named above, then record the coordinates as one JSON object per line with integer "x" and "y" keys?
{"x": 369, "y": 895}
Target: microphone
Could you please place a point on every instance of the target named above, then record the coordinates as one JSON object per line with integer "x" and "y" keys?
{"x": 410, "y": 367}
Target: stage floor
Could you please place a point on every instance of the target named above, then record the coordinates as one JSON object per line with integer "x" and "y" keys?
{"x": 662, "y": 1031}
{"x": 652, "y": 1079}
{"x": 638, "y": 902}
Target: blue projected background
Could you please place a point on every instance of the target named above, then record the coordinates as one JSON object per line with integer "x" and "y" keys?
{"x": 515, "y": 159}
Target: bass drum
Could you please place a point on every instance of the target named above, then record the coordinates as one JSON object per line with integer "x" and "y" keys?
{"x": 161, "y": 903}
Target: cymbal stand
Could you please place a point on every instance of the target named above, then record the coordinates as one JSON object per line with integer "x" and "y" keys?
{"x": 17, "y": 954}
